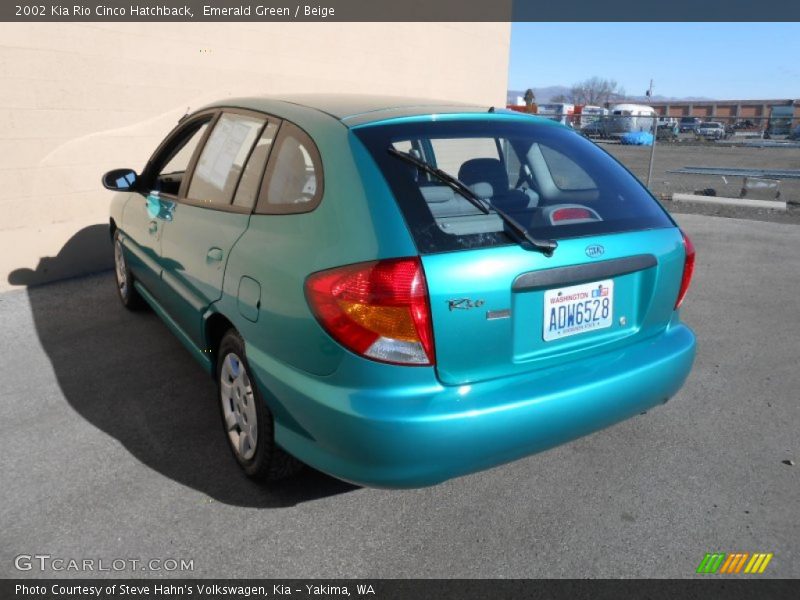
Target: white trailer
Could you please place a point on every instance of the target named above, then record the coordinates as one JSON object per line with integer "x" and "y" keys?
{"x": 627, "y": 118}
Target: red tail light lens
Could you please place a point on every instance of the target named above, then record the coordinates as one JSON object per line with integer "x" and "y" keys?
{"x": 379, "y": 310}
{"x": 571, "y": 214}
{"x": 688, "y": 269}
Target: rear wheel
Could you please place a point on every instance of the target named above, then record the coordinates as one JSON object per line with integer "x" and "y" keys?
{"x": 128, "y": 295}
{"x": 248, "y": 422}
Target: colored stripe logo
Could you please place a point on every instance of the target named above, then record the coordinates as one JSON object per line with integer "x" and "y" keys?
{"x": 734, "y": 563}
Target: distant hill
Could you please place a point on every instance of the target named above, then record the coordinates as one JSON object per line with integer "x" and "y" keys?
{"x": 546, "y": 94}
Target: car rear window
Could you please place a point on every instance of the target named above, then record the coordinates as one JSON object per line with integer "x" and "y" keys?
{"x": 550, "y": 179}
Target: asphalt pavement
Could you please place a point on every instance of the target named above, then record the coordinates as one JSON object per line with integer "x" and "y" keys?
{"x": 112, "y": 449}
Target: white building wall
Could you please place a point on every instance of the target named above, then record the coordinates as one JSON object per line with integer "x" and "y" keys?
{"x": 77, "y": 99}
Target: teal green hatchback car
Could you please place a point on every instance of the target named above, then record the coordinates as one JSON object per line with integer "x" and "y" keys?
{"x": 398, "y": 292}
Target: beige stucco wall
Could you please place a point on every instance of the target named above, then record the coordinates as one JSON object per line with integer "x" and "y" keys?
{"x": 78, "y": 99}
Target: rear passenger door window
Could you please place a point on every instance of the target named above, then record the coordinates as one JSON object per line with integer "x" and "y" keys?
{"x": 222, "y": 160}
{"x": 293, "y": 181}
{"x": 247, "y": 192}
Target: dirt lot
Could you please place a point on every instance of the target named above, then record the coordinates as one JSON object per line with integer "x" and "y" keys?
{"x": 670, "y": 156}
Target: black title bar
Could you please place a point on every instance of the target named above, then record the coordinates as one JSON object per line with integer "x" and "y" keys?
{"x": 398, "y": 10}
{"x": 699, "y": 588}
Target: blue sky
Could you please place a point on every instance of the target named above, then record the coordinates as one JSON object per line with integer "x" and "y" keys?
{"x": 714, "y": 60}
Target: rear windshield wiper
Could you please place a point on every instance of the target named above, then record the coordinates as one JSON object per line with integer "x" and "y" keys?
{"x": 545, "y": 246}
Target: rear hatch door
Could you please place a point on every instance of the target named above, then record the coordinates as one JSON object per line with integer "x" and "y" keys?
{"x": 506, "y": 310}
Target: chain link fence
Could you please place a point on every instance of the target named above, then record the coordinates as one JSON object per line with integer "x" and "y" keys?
{"x": 741, "y": 158}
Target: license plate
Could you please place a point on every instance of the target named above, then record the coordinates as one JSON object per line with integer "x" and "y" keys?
{"x": 578, "y": 309}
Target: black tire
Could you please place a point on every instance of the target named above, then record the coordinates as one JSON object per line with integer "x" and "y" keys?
{"x": 268, "y": 462}
{"x": 123, "y": 278}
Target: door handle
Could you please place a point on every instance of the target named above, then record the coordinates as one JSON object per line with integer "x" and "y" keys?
{"x": 153, "y": 227}
{"x": 214, "y": 255}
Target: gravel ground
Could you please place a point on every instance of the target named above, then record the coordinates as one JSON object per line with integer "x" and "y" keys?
{"x": 670, "y": 156}
{"x": 791, "y": 217}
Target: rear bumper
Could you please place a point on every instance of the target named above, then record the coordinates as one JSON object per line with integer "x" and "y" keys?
{"x": 412, "y": 435}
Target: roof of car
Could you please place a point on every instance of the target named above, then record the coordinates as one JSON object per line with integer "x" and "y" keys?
{"x": 355, "y": 109}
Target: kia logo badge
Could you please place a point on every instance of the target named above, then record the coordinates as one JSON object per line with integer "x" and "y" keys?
{"x": 594, "y": 250}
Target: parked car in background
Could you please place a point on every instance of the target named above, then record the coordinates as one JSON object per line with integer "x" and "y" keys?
{"x": 688, "y": 124}
{"x": 667, "y": 132}
{"x": 730, "y": 130}
{"x": 711, "y": 130}
{"x": 596, "y": 129}
{"x": 397, "y": 293}
{"x": 745, "y": 124}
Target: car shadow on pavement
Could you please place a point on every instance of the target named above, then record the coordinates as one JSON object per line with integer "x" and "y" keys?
{"x": 127, "y": 375}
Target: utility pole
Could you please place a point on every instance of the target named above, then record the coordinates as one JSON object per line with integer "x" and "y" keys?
{"x": 655, "y": 135}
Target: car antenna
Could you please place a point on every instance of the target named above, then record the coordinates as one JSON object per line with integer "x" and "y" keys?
{"x": 491, "y": 109}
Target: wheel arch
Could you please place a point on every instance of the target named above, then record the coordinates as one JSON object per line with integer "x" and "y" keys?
{"x": 215, "y": 326}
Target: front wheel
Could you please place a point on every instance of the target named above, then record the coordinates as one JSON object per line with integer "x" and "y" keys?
{"x": 248, "y": 422}
{"x": 128, "y": 295}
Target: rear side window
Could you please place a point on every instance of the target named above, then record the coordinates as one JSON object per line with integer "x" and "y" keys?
{"x": 223, "y": 157}
{"x": 551, "y": 180}
{"x": 293, "y": 181}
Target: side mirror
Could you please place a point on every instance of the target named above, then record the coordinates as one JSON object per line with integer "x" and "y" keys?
{"x": 120, "y": 180}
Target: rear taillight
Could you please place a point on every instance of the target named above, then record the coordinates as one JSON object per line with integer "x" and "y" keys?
{"x": 378, "y": 309}
{"x": 571, "y": 214}
{"x": 688, "y": 269}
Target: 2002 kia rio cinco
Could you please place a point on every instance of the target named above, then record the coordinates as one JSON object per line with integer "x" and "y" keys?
{"x": 398, "y": 292}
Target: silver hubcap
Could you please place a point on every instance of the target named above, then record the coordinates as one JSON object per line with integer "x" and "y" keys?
{"x": 122, "y": 276}
{"x": 238, "y": 406}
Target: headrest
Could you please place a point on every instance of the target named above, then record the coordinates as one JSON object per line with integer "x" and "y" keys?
{"x": 485, "y": 170}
